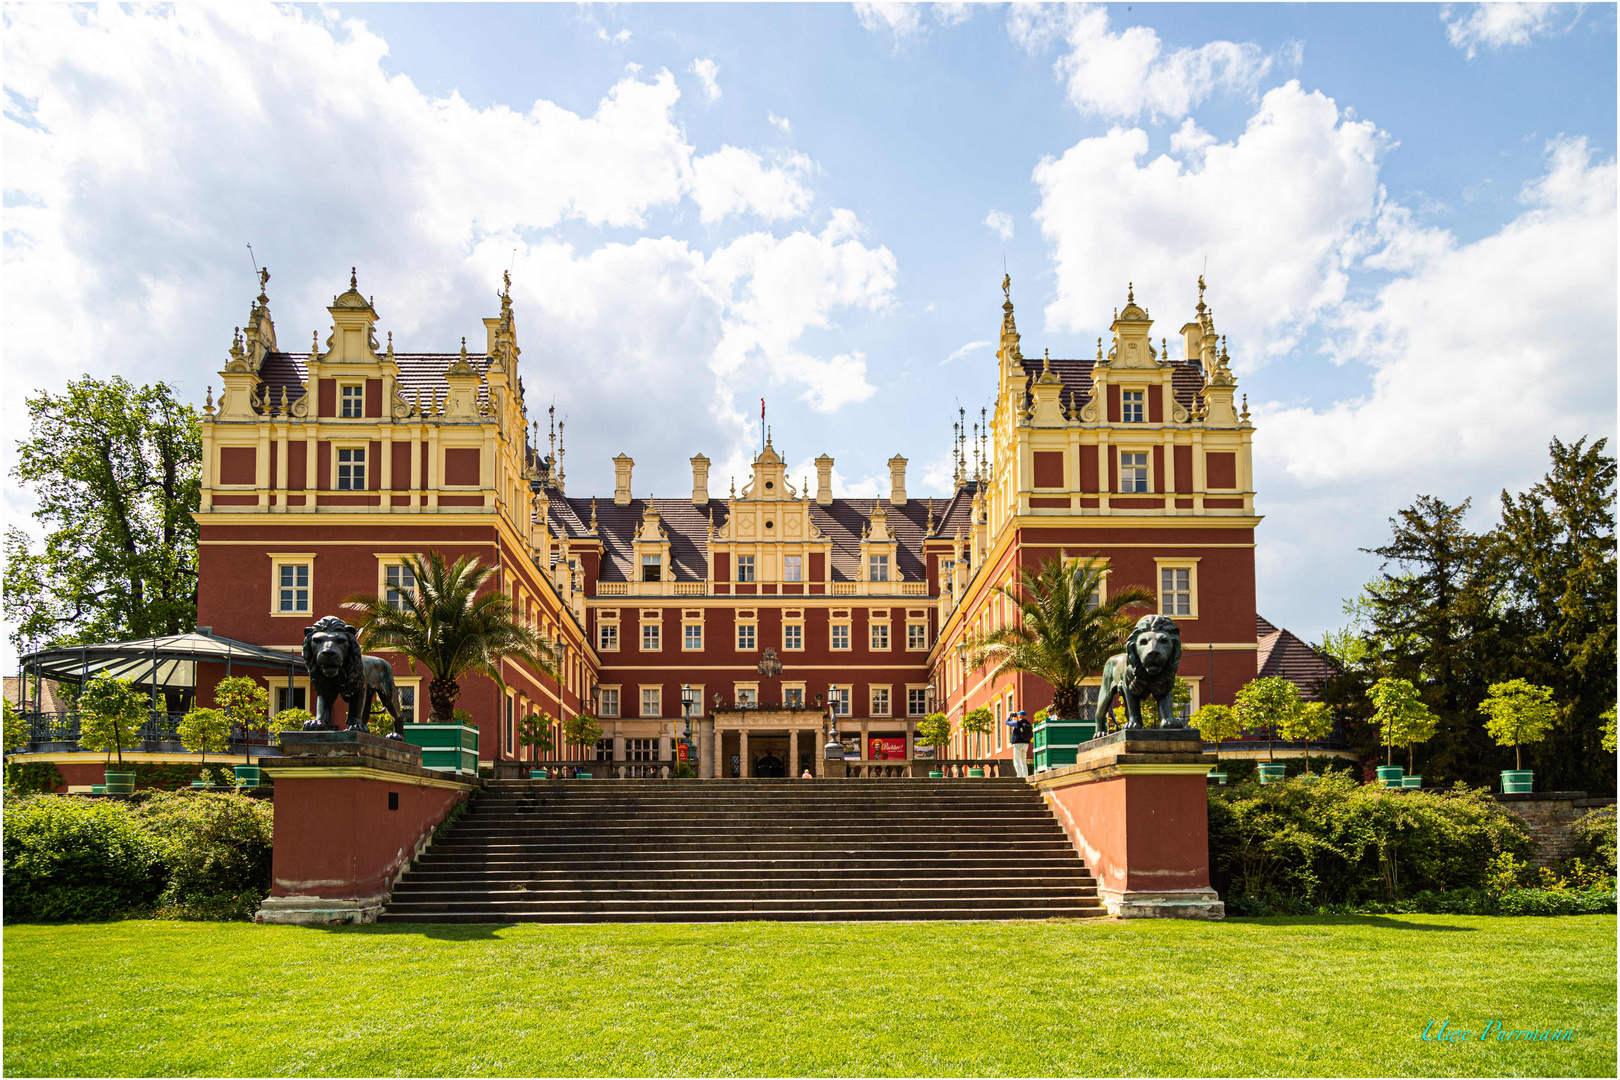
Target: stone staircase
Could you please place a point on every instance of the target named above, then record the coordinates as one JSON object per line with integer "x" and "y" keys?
{"x": 717, "y": 851}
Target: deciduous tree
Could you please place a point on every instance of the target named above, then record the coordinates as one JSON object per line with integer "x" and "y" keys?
{"x": 1518, "y": 713}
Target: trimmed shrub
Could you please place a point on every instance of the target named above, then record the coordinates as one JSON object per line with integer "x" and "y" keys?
{"x": 1599, "y": 901}
{"x": 1336, "y": 841}
{"x": 1594, "y": 839}
{"x": 216, "y": 848}
{"x": 38, "y": 777}
{"x": 68, "y": 858}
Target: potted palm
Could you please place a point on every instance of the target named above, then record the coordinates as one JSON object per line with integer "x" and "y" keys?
{"x": 1518, "y": 712}
{"x": 204, "y": 731}
{"x": 247, "y": 703}
{"x": 978, "y": 722}
{"x": 581, "y": 732}
{"x": 1271, "y": 703}
{"x": 453, "y": 627}
{"x": 111, "y": 714}
{"x": 534, "y": 733}
{"x": 1397, "y": 713}
{"x": 935, "y": 730}
{"x": 1060, "y": 633}
{"x": 1216, "y": 724}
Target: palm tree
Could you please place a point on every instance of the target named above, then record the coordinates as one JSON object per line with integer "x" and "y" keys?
{"x": 1060, "y": 635}
{"x": 445, "y": 625}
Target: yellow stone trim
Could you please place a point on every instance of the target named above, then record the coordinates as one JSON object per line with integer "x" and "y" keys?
{"x": 1163, "y": 770}
{"x": 363, "y": 772}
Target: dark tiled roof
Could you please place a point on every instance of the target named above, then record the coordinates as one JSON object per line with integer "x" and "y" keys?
{"x": 1263, "y": 626}
{"x": 1076, "y": 376}
{"x": 1282, "y": 654}
{"x": 687, "y": 527}
{"x": 422, "y": 372}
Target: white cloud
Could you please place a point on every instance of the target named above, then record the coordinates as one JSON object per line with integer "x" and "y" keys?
{"x": 781, "y": 123}
{"x": 1274, "y": 211}
{"x": 734, "y": 181}
{"x": 620, "y": 37}
{"x": 902, "y": 20}
{"x": 1123, "y": 75}
{"x": 1494, "y": 25}
{"x": 972, "y": 346}
{"x": 999, "y": 223}
{"x": 707, "y": 72}
{"x": 1483, "y": 350}
{"x": 125, "y": 139}
{"x": 950, "y": 14}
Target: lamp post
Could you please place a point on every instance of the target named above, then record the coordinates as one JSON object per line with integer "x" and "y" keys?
{"x": 689, "y": 698}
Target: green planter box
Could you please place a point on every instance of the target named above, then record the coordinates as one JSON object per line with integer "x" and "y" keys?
{"x": 119, "y": 783}
{"x": 1218, "y": 779}
{"x": 1055, "y": 733}
{"x": 451, "y": 748}
{"x": 1514, "y": 781}
{"x": 248, "y": 775}
{"x": 1411, "y": 781}
{"x": 1272, "y": 774}
{"x": 1390, "y": 775}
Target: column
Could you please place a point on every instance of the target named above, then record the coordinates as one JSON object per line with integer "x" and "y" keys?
{"x": 818, "y": 753}
{"x": 416, "y": 466}
{"x": 311, "y": 459}
{"x": 864, "y": 744}
{"x": 385, "y": 475}
{"x": 793, "y": 752}
{"x": 618, "y": 743}
{"x": 911, "y": 739}
{"x": 742, "y": 752}
{"x": 664, "y": 740}
{"x": 719, "y": 742}
{"x": 281, "y": 466}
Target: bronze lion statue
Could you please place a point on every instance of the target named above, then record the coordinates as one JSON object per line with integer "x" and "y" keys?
{"x": 1145, "y": 671}
{"x": 337, "y": 669}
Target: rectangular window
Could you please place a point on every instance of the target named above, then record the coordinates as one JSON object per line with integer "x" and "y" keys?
{"x": 1133, "y": 472}
{"x": 641, "y": 749}
{"x": 292, "y": 697}
{"x": 649, "y": 637}
{"x": 1175, "y": 590}
{"x": 1131, "y": 406}
{"x": 792, "y": 637}
{"x": 407, "y": 704}
{"x": 840, "y": 637}
{"x": 650, "y": 701}
{"x": 610, "y": 701}
{"x": 354, "y": 401}
{"x": 608, "y": 634}
{"x": 510, "y": 703}
{"x": 351, "y": 469}
{"x": 880, "y": 701}
{"x": 793, "y": 697}
{"x": 917, "y": 701}
{"x": 792, "y": 568}
{"x": 692, "y": 638}
{"x": 745, "y": 568}
{"x": 880, "y": 636}
{"x": 292, "y": 592}
{"x": 652, "y": 568}
{"x": 400, "y": 587}
{"x": 916, "y": 635}
{"x": 604, "y": 749}
{"x": 747, "y": 696}
{"x": 878, "y": 567}
{"x": 745, "y": 637}
{"x": 838, "y": 698}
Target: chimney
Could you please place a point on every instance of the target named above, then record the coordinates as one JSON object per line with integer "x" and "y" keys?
{"x": 700, "y": 481}
{"x": 824, "y": 466}
{"x": 621, "y": 480}
{"x": 897, "y": 480}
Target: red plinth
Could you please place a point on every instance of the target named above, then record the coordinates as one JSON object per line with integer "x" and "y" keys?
{"x": 1136, "y": 806}
{"x": 352, "y": 811}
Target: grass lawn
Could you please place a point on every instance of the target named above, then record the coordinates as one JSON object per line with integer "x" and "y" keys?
{"x": 1335, "y": 996}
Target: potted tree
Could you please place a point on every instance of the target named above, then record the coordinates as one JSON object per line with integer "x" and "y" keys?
{"x": 1518, "y": 712}
{"x": 1270, "y": 703}
{"x": 1060, "y": 631}
{"x": 246, "y": 702}
{"x": 534, "y": 732}
{"x": 453, "y": 627}
{"x": 935, "y": 730}
{"x": 1216, "y": 724}
{"x": 1420, "y": 729}
{"x": 1397, "y": 710}
{"x": 1309, "y": 723}
{"x": 582, "y": 731}
{"x": 979, "y": 722}
{"x": 204, "y": 731}
{"x": 111, "y": 714}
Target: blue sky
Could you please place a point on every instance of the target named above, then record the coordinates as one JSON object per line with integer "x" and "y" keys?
{"x": 1407, "y": 211}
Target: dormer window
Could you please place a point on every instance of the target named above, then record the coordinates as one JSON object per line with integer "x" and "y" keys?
{"x": 878, "y": 565}
{"x": 652, "y": 568}
{"x": 745, "y": 568}
{"x": 353, "y": 401}
{"x": 1131, "y": 407}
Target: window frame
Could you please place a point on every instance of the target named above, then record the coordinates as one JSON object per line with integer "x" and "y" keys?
{"x": 912, "y": 631}
{"x": 1189, "y": 564}
{"x": 290, "y": 558}
{"x": 875, "y": 630}
{"x": 654, "y": 561}
{"x": 344, "y": 397}
{"x": 880, "y": 698}
{"x": 689, "y": 631}
{"x": 657, "y": 693}
{"x": 916, "y": 701}
{"x": 839, "y": 700}
{"x": 602, "y": 631}
{"x": 607, "y": 694}
{"x": 1146, "y": 478}
{"x": 832, "y": 637}
{"x": 795, "y": 626}
{"x": 746, "y": 570}
{"x": 878, "y": 560}
{"x": 1126, "y": 405}
{"x": 793, "y": 569}
{"x": 656, "y": 630}
{"x": 338, "y": 464}
{"x": 752, "y": 630}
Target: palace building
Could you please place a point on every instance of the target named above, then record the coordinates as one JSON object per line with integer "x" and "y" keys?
{"x": 323, "y": 469}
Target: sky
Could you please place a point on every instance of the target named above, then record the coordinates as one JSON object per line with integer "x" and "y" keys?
{"x": 1405, "y": 214}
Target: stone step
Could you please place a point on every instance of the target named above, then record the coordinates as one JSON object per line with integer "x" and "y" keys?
{"x": 485, "y": 914}
{"x": 921, "y": 901}
{"x": 833, "y": 863}
{"x": 607, "y": 879}
{"x": 634, "y": 893}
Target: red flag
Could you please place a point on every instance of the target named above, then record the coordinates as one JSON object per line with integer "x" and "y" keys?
{"x": 762, "y": 410}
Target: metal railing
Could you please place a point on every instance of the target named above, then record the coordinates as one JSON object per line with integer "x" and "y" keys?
{"x": 59, "y": 732}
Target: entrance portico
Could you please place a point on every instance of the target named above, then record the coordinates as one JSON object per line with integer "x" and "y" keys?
{"x": 789, "y": 735}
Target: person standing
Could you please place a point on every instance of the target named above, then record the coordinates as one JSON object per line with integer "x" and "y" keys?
{"x": 1020, "y": 737}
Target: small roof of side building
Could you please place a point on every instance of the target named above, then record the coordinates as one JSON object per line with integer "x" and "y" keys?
{"x": 1282, "y": 654}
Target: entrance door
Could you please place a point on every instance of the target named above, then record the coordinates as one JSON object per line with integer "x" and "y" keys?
{"x": 770, "y": 767}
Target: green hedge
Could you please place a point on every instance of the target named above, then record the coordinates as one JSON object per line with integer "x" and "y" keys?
{"x": 32, "y": 777}
{"x": 1599, "y": 901}
{"x": 177, "y": 854}
{"x": 1594, "y": 839}
{"x": 1336, "y": 841}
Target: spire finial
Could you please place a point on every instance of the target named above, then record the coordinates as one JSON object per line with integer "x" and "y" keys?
{"x": 314, "y": 344}
{"x": 1200, "y": 292}
{"x": 1164, "y": 350}
{"x": 264, "y": 279}
{"x": 1099, "y": 349}
{"x": 464, "y": 347}
{"x": 208, "y": 405}
{"x": 506, "y": 280}
{"x": 1245, "y": 413}
{"x": 390, "y": 344}
{"x": 1006, "y": 287}
{"x": 1130, "y": 292}
{"x": 352, "y": 278}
